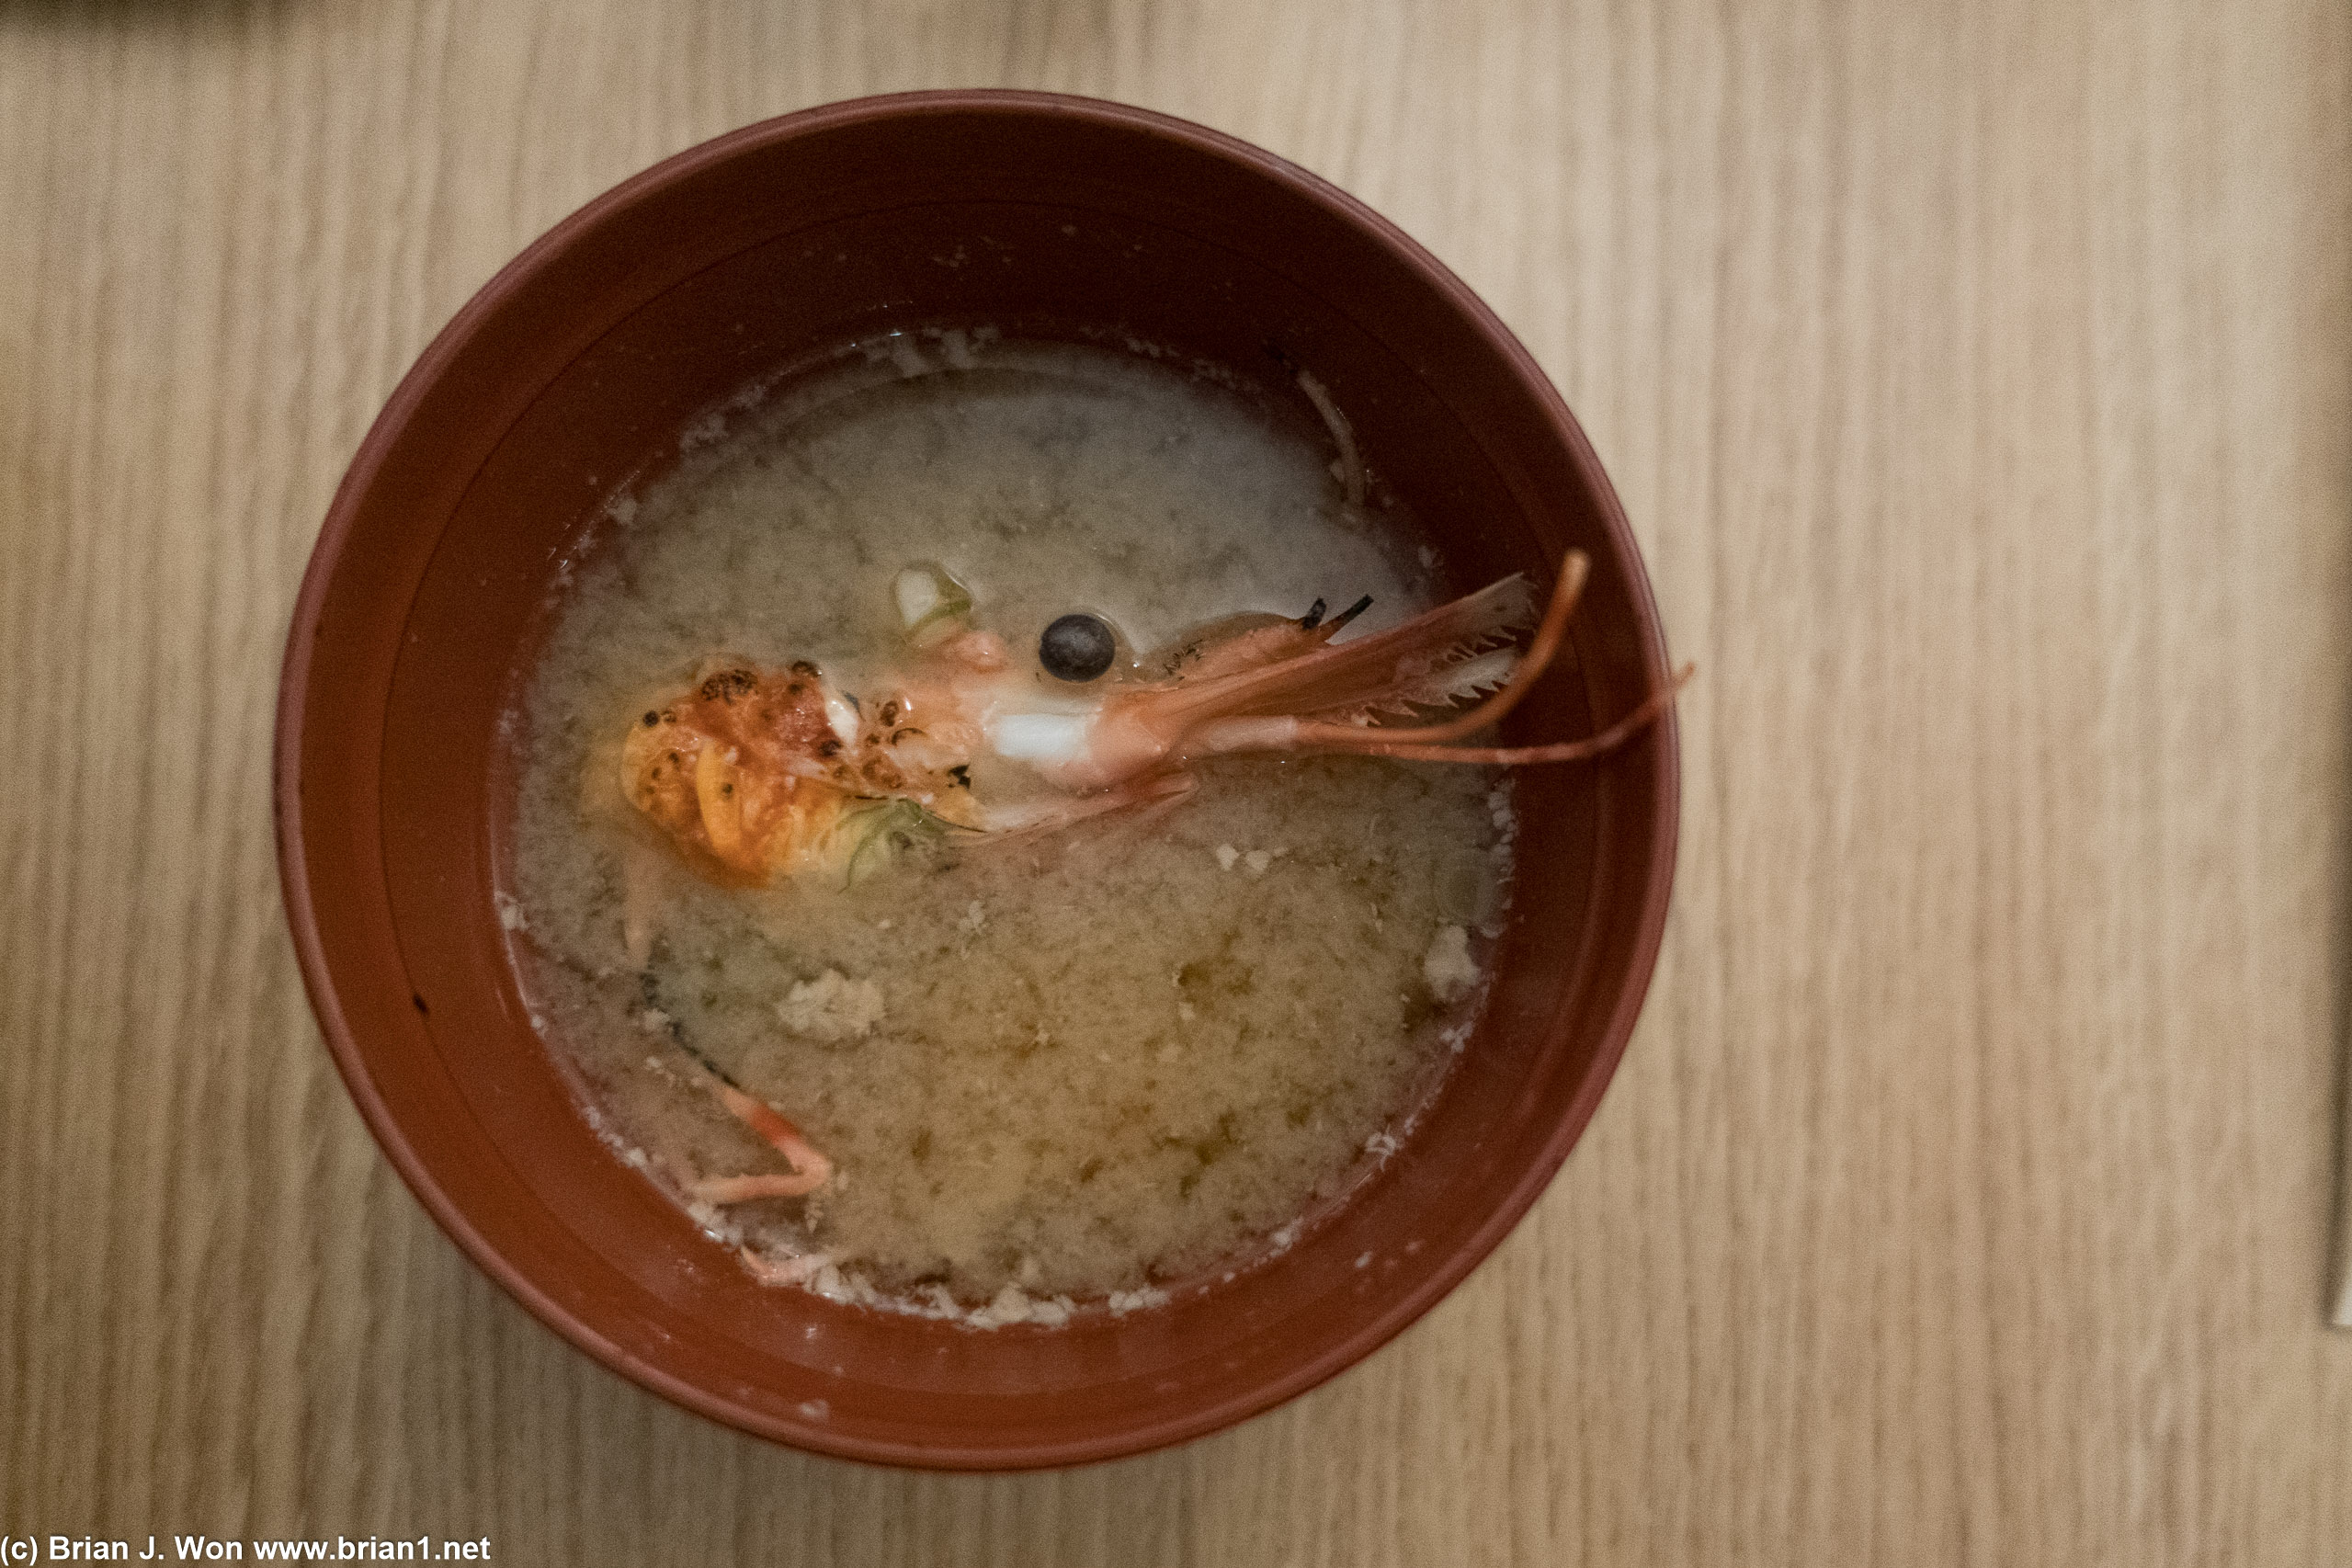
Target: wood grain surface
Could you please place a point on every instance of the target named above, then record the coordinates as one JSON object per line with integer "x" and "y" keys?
{"x": 1979, "y": 378}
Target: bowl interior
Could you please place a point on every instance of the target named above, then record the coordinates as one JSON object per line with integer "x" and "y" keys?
{"x": 578, "y": 369}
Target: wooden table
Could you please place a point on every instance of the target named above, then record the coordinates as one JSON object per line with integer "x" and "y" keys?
{"x": 1978, "y": 376}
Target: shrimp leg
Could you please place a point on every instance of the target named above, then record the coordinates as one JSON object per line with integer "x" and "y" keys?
{"x": 1007, "y": 823}
{"x": 1414, "y": 749}
{"x": 811, "y": 1169}
{"x": 1575, "y": 570}
{"x": 1262, "y": 732}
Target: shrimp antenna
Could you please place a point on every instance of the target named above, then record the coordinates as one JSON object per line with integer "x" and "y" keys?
{"x": 1351, "y": 613}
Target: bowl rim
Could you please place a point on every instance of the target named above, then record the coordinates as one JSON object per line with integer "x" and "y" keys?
{"x": 1399, "y": 1312}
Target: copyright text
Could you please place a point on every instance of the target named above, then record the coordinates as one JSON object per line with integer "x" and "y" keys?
{"x": 21, "y": 1549}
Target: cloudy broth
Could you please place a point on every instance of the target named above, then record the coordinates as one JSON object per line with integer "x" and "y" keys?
{"x": 1051, "y": 1073}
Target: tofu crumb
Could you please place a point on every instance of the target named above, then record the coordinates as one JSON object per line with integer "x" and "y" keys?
{"x": 974, "y": 917}
{"x": 1258, "y": 860}
{"x": 956, "y": 345}
{"x": 1227, "y": 855}
{"x": 832, "y": 1007}
{"x": 1011, "y": 1306}
{"x": 1448, "y": 966}
{"x": 1123, "y": 1303}
{"x": 510, "y": 914}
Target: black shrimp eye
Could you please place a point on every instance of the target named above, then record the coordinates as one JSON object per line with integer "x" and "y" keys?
{"x": 1076, "y": 647}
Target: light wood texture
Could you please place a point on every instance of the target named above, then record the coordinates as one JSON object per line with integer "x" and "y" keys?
{"x": 1979, "y": 377}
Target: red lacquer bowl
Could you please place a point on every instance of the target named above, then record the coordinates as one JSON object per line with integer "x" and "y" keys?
{"x": 582, "y": 363}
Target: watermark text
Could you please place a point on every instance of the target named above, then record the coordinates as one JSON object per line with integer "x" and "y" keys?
{"x": 27, "y": 1549}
